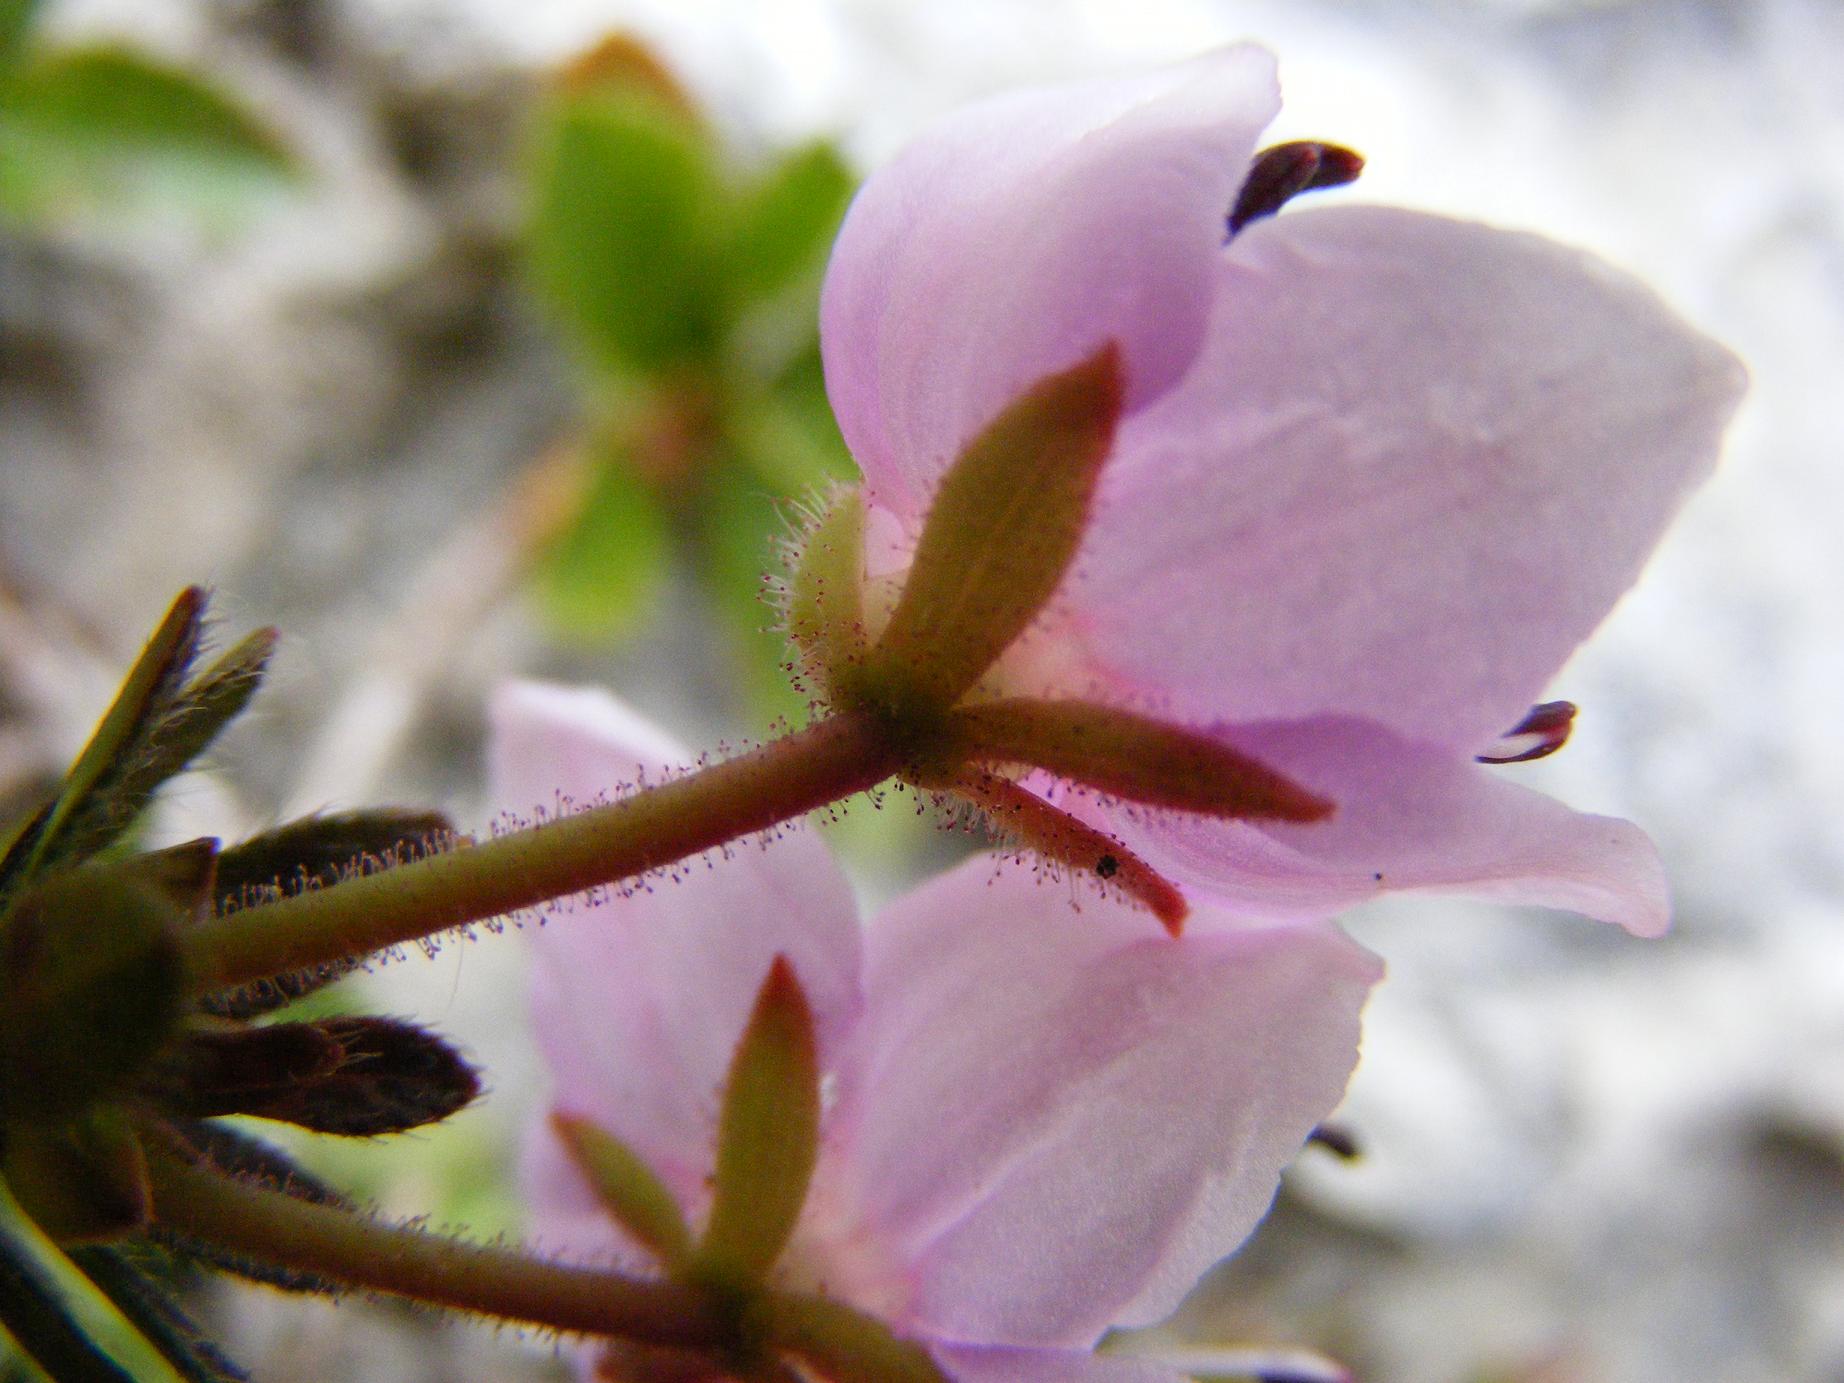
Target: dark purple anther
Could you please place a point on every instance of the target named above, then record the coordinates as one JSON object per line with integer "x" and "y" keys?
{"x": 1337, "y": 1140}
{"x": 1536, "y": 736}
{"x": 1282, "y": 173}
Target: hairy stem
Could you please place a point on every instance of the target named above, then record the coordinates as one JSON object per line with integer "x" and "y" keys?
{"x": 782, "y": 779}
{"x": 248, "y": 1220}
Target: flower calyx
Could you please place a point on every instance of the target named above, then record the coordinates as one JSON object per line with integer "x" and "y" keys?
{"x": 768, "y": 1143}
{"x": 998, "y": 541}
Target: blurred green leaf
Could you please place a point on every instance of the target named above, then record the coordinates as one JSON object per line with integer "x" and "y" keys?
{"x": 780, "y": 228}
{"x": 16, "y": 18}
{"x": 624, "y": 201}
{"x": 787, "y": 439}
{"x": 739, "y": 525}
{"x": 598, "y": 579}
{"x": 96, "y": 126}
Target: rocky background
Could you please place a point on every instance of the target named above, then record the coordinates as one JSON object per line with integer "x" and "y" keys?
{"x": 1587, "y": 1159}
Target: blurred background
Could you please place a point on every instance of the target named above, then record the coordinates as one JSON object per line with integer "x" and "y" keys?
{"x": 471, "y": 338}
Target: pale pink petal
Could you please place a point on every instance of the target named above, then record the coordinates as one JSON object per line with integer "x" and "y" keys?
{"x": 1414, "y": 467}
{"x": 1016, "y": 238}
{"x": 975, "y": 1364}
{"x": 1409, "y": 818}
{"x": 638, "y": 1000}
{"x": 1059, "y": 1117}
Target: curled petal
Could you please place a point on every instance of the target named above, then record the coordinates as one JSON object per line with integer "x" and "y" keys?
{"x": 1414, "y": 467}
{"x": 638, "y": 1008}
{"x": 1016, "y": 238}
{"x": 1411, "y": 818}
{"x": 1122, "y": 1104}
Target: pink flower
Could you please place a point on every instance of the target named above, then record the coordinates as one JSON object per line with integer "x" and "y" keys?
{"x": 1035, "y": 1126}
{"x": 1377, "y": 475}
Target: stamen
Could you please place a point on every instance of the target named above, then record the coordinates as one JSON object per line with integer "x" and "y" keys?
{"x": 1537, "y": 736}
{"x": 1281, "y": 173}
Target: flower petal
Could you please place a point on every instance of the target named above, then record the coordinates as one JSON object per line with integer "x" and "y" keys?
{"x": 1416, "y": 464}
{"x": 639, "y": 1000}
{"x": 1016, "y": 239}
{"x": 978, "y": 1364}
{"x": 1410, "y": 818}
{"x": 1058, "y": 1118}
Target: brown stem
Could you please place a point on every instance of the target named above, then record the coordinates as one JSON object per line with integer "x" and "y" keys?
{"x": 193, "y": 1200}
{"x": 785, "y": 778}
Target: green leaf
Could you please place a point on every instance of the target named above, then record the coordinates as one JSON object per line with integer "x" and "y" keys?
{"x": 781, "y": 227}
{"x": 624, "y": 194}
{"x": 146, "y": 1301}
{"x": 16, "y": 20}
{"x": 842, "y": 1345}
{"x": 767, "y": 1136}
{"x": 599, "y": 578}
{"x": 84, "y": 127}
{"x": 59, "y": 1318}
{"x": 1002, "y": 530}
{"x": 628, "y": 1188}
{"x": 159, "y": 722}
{"x": 37, "y": 1315}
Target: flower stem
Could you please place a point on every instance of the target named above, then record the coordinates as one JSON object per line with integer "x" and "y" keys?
{"x": 784, "y": 778}
{"x": 271, "y": 1227}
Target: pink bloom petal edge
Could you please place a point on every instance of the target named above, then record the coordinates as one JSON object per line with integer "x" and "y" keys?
{"x": 1020, "y": 235}
{"x": 1410, "y": 818}
{"x": 1414, "y": 466}
{"x": 1121, "y": 1104}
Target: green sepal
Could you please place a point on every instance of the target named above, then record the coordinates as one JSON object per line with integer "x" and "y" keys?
{"x": 81, "y": 1182}
{"x": 356, "y": 1076}
{"x": 93, "y": 985}
{"x": 319, "y": 850}
{"x": 839, "y": 1343}
{"x": 767, "y": 1137}
{"x": 629, "y": 1190}
{"x": 826, "y": 595}
{"x": 1130, "y": 756}
{"x": 1003, "y": 528}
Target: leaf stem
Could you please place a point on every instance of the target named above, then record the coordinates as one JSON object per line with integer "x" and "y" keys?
{"x": 195, "y": 1201}
{"x": 784, "y": 778}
